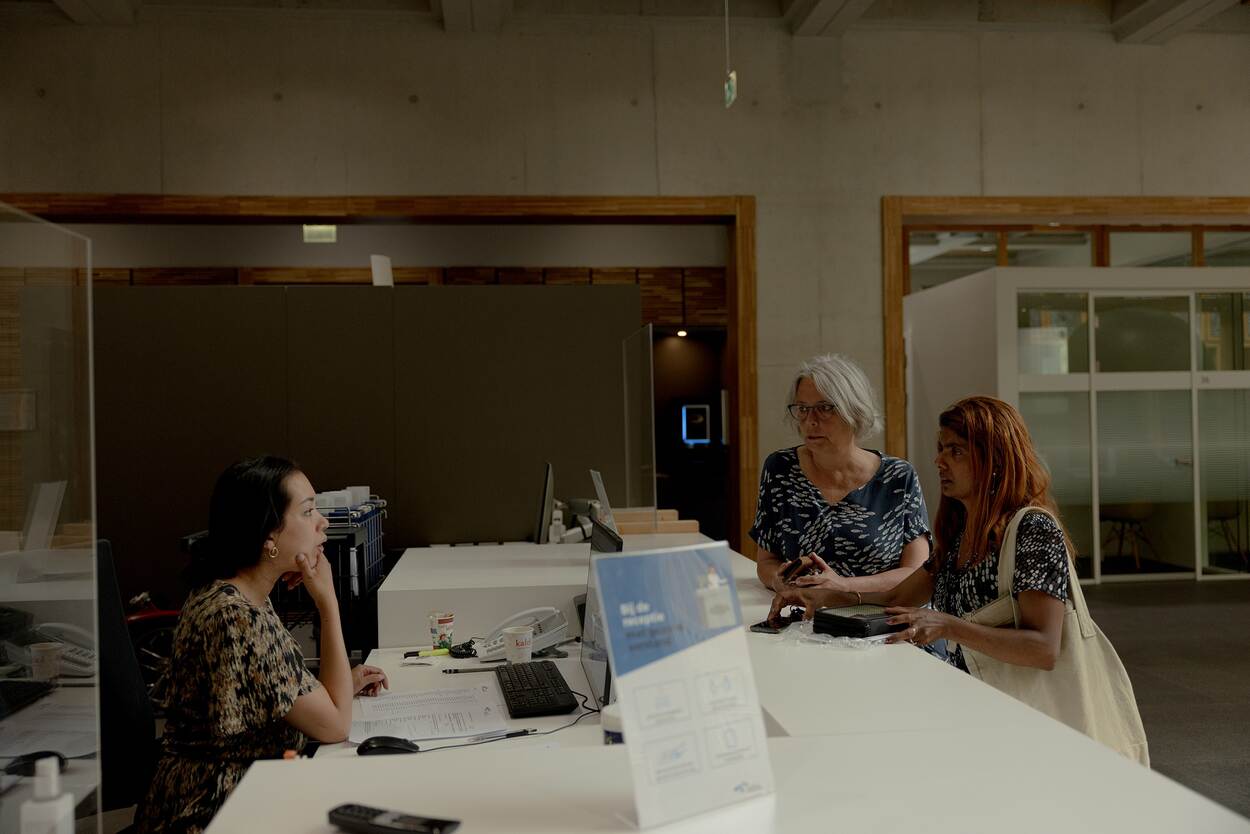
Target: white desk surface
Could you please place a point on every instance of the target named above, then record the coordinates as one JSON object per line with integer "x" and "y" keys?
{"x": 976, "y": 780}
{"x": 882, "y": 739}
{"x": 81, "y": 776}
{"x": 484, "y": 584}
{"x": 419, "y": 678}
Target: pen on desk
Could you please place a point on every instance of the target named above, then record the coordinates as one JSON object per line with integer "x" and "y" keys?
{"x": 467, "y": 671}
{"x": 501, "y": 734}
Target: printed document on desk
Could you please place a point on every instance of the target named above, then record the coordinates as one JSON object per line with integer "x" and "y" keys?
{"x": 435, "y": 713}
{"x": 689, "y": 709}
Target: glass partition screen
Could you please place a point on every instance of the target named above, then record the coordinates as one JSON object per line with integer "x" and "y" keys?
{"x": 48, "y": 625}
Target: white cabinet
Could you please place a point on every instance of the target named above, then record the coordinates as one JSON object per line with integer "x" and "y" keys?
{"x": 1135, "y": 384}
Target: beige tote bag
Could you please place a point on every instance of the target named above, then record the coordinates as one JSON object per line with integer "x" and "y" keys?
{"x": 1088, "y": 689}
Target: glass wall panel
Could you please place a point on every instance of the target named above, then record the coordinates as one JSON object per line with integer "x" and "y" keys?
{"x": 1145, "y": 481}
{"x": 938, "y": 257}
{"x": 1223, "y": 335}
{"x": 1151, "y": 249}
{"x": 1226, "y": 248}
{"x": 1049, "y": 248}
{"x": 48, "y": 694}
{"x": 1059, "y": 424}
{"x": 1052, "y": 333}
{"x": 1224, "y": 440}
{"x": 1141, "y": 333}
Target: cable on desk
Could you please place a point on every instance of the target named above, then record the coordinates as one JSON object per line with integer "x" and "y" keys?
{"x": 589, "y": 710}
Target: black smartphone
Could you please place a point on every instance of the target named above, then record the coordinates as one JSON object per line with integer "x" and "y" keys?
{"x": 765, "y": 627}
{"x": 365, "y": 819}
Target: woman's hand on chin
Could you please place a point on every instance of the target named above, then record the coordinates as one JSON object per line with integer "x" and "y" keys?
{"x": 317, "y": 578}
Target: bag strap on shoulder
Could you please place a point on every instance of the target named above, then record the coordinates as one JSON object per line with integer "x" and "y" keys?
{"x": 996, "y": 612}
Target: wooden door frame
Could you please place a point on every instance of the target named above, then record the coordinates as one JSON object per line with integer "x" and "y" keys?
{"x": 899, "y": 213}
{"x": 736, "y": 212}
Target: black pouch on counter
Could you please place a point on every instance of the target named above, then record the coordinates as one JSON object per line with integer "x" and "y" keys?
{"x": 854, "y": 621}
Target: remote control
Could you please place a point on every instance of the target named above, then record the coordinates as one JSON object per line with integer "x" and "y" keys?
{"x": 362, "y": 819}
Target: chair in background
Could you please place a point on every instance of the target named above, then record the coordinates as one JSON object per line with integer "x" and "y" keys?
{"x": 1226, "y": 515}
{"x": 128, "y": 746}
{"x": 1128, "y": 522}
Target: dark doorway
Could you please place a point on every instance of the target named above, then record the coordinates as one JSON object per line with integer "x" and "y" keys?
{"x": 692, "y": 473}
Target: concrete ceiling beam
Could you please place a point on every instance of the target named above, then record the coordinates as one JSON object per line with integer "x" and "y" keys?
{"x": 99, "y": 11}
{"x": 1158, "y": 21}
{"x": 472, "y": 15}
{"x": 827, "y": 18}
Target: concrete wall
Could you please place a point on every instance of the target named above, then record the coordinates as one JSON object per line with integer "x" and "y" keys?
{"x": 308, "y": 103}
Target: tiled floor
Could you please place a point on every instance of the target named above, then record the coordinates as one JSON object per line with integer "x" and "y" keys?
{"x": 1186, "y": 646}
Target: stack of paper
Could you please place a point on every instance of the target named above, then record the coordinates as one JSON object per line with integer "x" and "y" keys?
{"x": 437, "y": 713}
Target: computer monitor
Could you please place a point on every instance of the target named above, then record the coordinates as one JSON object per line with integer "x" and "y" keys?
{"x": 605, "y": 507}
{"x": 603, "y": 539}
{"x": 595, "y": 646}
{"x": 542, "y": 525}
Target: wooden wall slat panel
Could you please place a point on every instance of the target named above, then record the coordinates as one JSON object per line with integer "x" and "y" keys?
{"x": 567, "y": 275}
{"x": 304, "y": 275}
{"x": 520, "y": 275}
{"x": 184, "y": 276}
{"x": 704, "y": 293}
{"x": 63, "y": 207}
{"x": 107, "y": 277}
{"x": 431, "y": 275}
{"x": 614, "y": 275}
{"x": 52, "y": 276}
{"x": 469, "y": 275}
{"x": 300, "y": 275}
{"x": 661, "y": 296}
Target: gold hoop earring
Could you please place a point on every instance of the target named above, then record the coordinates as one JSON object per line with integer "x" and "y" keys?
{"x": 273, "y": 552}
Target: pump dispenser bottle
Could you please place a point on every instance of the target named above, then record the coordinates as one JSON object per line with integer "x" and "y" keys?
{"x": 50, "y": 811}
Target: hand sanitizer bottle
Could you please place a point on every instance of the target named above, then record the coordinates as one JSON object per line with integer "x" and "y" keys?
{"x": 556, "y": 533}
{"x": 51, "y": 811}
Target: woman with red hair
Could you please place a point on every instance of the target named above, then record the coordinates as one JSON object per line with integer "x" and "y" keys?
{"x": 988, "y": 471}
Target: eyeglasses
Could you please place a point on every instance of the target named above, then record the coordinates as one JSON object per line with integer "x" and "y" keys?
{"x": 823, "y": 411}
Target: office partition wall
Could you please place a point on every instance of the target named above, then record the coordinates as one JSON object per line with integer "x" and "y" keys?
{"x": 444, "y": 400}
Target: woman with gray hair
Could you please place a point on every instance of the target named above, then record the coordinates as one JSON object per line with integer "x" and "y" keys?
{"x": 833, "y": 515}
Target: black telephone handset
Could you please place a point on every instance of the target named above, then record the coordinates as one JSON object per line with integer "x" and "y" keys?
{"x": 364, "y": 819}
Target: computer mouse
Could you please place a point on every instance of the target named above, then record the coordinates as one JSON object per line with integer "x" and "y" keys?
{"x": 24, "y": 765}
{"x": 385, "y": 745}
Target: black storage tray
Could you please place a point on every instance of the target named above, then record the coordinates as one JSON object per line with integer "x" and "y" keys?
{"x": 855, "y": 621}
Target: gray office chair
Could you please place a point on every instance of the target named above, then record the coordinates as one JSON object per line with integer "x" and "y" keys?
{"x": 128, "y": 746}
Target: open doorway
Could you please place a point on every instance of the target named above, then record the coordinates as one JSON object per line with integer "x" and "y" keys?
{"x": 691, "y": 441}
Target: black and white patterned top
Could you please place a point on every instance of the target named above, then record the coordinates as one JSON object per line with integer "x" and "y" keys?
{"x": 1041, "y": 565}
{"x": 861, "y": 535}
{"x": 236, "y": 673}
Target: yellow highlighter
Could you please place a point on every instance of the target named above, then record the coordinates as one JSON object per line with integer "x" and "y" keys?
{"x": 433, "y": 652}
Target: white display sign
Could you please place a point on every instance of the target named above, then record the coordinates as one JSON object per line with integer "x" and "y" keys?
{"x": 689, "y": 710}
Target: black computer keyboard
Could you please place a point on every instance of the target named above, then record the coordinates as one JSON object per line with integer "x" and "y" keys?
{"x": 534, "y": 689}
{"x": 15, "y": 695}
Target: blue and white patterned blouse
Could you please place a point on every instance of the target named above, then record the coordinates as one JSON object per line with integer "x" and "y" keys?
{"x": 861, "y": 535}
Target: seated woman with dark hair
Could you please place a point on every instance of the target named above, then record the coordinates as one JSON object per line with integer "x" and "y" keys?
{"x": 237, "y": 689}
